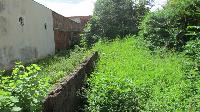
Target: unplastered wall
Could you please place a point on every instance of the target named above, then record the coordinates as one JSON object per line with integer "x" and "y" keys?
{"x": 26, "y": 31}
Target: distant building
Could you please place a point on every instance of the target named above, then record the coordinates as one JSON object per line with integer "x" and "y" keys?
{"x": 66, "y": 31}
{"x": 82, "y": 20}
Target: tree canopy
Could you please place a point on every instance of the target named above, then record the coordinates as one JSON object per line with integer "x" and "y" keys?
{"x": 112, "y": 18}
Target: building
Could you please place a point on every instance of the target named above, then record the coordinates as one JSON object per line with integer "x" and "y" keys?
{"x": 30, "y": 31}
{"x": 82, "y": 20}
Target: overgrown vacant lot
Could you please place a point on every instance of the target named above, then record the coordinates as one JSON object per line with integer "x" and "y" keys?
{"x": 129, "y": 77}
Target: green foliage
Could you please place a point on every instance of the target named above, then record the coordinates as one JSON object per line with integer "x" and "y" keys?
{"x": 177, "y": 27}
{"x": 129, "y": 77}
{"x": 193, "y": 50}
{"x": 193, "y": 47}
{"x": 88, "y": 38}
{"x": 8, "y": 102}
{"x": 109, "y": 16}
{"x": 22, "y": 90}
{"x": 63, "y": 63}
{"x": 25, "y": 89}
{"x": 114, "y": 18}
{"x": 168, "y": 27}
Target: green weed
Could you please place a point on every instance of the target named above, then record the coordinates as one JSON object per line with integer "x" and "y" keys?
{"x": 129, "y": 77}
{"x": 62, "y": 63}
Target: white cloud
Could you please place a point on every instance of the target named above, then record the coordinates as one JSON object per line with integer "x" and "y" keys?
{"x": 82, "y": 8}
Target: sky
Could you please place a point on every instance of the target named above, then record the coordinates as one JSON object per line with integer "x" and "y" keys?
{"x": 159, "y": 4}
{"x": 78, "y": 7}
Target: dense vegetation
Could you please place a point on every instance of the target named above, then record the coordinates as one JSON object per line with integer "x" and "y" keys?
{"x": 157, "y": 71}
{"x": 175, "y": 27}
{"x": 172, "y": 26}
{"x": 129, "y": 77}
{"x": 112, "y": 18}
{"x": 25, "y": 89}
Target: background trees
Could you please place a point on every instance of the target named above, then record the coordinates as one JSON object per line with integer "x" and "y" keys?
{"x": 170, "y": 27}
{"x": 114, "y": 18}
{"x": 176, "y": 27}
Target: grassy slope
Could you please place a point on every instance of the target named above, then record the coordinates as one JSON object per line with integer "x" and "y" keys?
{"x": 129, "y": 77}
{"x": 62, "y": 64}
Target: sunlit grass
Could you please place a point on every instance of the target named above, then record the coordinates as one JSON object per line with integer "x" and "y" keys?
{"x": 130, "y": 77}
{"x": 62, "y": 64}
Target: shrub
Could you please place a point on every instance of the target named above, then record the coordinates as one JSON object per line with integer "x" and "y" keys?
{"x": 168, "y": 27}
{"x": 8, "y": 102}
{"x": 177, "y": 27}
{"x": 23, "y": 89}
{"x": 193, "y": 47}
{"x": 193, "y": 50}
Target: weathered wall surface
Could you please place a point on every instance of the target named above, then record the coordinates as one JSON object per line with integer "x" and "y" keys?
{"x": 26, "y": 31}
{"x": 64, "y": 97}
{"x": 66, "y": 31}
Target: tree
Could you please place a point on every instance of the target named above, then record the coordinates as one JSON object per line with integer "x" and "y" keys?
{"x": 112, "y": 18}
{"x": 169, "y": 27}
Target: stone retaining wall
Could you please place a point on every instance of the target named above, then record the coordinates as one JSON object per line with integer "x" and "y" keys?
{"x": 64, "y": 97}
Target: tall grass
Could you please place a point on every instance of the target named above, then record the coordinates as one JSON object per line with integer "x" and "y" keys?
{"x": 129, "y": 77}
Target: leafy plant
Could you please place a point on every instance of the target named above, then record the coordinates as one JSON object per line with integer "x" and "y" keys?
{"x": 8, "y": 102}
{"x": 23, "y": 89}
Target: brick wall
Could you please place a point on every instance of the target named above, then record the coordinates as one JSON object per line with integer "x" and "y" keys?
{"x": 66, "y": 31}
{"x": 81, "y": 19}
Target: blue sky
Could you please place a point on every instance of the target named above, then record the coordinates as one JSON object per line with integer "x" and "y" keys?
{"x": 77, "y": 7}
